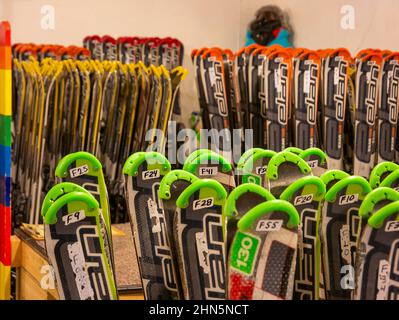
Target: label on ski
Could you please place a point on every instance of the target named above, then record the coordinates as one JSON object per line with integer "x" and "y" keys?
{"x": 306, "y": 194}
{"x": 199, "y": 240}
{"x": 148, "y": 224}
{"x": 340, "y": 229}
{"x": 75, "y": 246}
{"x": 377, "y": 256}
{"x": 262, "y": 257}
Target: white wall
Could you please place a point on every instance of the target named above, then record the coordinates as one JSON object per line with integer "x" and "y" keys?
{"x": 317, "y": 23}
{"x": 196, "y": 23}
{"x": 200, "y": 23}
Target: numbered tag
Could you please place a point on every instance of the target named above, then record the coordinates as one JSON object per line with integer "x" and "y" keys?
{"x": 151, "y": 174}
{"x": 203, "y": 203}
{"x": 269, "y": 225}
{"x": 74, "y": 217}
{"x": 348, "y": 199}
{"x": 208, "y": 171}
{"x": 300, "y": 200}
{"x": 244, "y": 252}
{"x": 261, "y": 170}
{"x": 313, "y": 163}
{"x": 392, "y": 226}
{"x": 79, "y": 171}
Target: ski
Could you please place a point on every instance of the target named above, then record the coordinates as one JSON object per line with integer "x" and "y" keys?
{"x": 307, "y": 195}
{"x": 75, "y": 245}
{"x": 147, "y": 217}
{"x": 340, "y": 228}
{"x": 262, "y": 257}
{"x": 380, "y": 172}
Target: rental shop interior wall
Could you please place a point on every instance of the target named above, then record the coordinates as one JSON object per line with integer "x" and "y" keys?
{"x": 197, "y": 23}
{"x": 324, "y": 24}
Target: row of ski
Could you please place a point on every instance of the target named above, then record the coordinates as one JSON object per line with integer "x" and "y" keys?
{"x": 105, "y": 108}
{"x": 281, "y": 226}
{"x": 24, "y": 52}
{"x": 347, "y": 106}
{"x": 153, "y": 50}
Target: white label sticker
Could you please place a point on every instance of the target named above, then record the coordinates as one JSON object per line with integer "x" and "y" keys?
{"x": 383, "y": 280}
{"x": 203, "y": 203}
{"x": 74, "y": 217}
{"x": 299, "y": 200}
{"x": 212, "y": 76}
{"x": 277, "y": 80}
{"x": 313, "y": 163}
{"x": 336, "y": 76}
{"x": 79, "y": 171}
{"x": 306, "y": 81}
{"x": 348, "y": 198}
{"x": 151, "y": 174}
{"x": 269, "y": 225}
{"x": 208, "y": 171}
{"x": 261, "y": 170}
{"x": 392, "y": 226}
{"x": 396, "y": 189}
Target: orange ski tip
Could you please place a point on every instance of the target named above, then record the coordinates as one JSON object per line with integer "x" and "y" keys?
{"x": 214, "y": 52}
{"x": 311, "y": 55}
{"x": 229, "y": 54}
{"x": 193, "y": 53}
{"x": 389, "y": 55}
{"x": 373, "y": 56}
{"x": 251, "y": 48}
{"x": 240, "y": 52}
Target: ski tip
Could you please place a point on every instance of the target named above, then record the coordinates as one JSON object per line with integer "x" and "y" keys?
{"x": 230, "y": 210}
{"x": 333, "y": 175}
{"x": 282, "y": 157}
{"x": 170, "y": 178}
{"x": 210, "y": 187}
{"x": 318, "y": 186}
{"x": 390, "y": 180}
{"x": 379, "y": 171}
{"x": 294, "y": 150}
{"x": 207, "y": 157}
{"x": 62, "y": 168}
{"x": 374, "y": 197}
{"x": 58, "y": 191}
{"x": 361, "y": 182}
{"x": 248, "y": 220}
{"x": 76, "y": 196}
{"x": 153, "y": 159}
{"x": 378, "y": 218}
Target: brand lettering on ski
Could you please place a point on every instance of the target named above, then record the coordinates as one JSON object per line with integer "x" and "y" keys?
{"x": 392, "y": 226}
{"x": 162, "y": 248}
{"x": 304, "y": 199}
{"x": 269, "y": 225}
{"x": 262, "y": 91}
{"x": 244, "y": 252}
{"x": 371, "y": 97}
{"x": 215, "y": 257}
{"x": 346, "y": 253}
{"x": 339, "y": 94}
{"x": 208, "y": 171}
{"x": 220, "y": 95}
{"x": 305, "y": 284}
{"x": 203, "y": 203}
{"x": 393, "y": 94}
{"x": 348, "y": 199}
{"x": 79, "y": 171}
{"x": 151, "y": 174}
{"x": 282, "y": 97}
{"x": 310, "y": 99}
{"x": 261, "y": 170}
{"x": 74, "y": 217}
